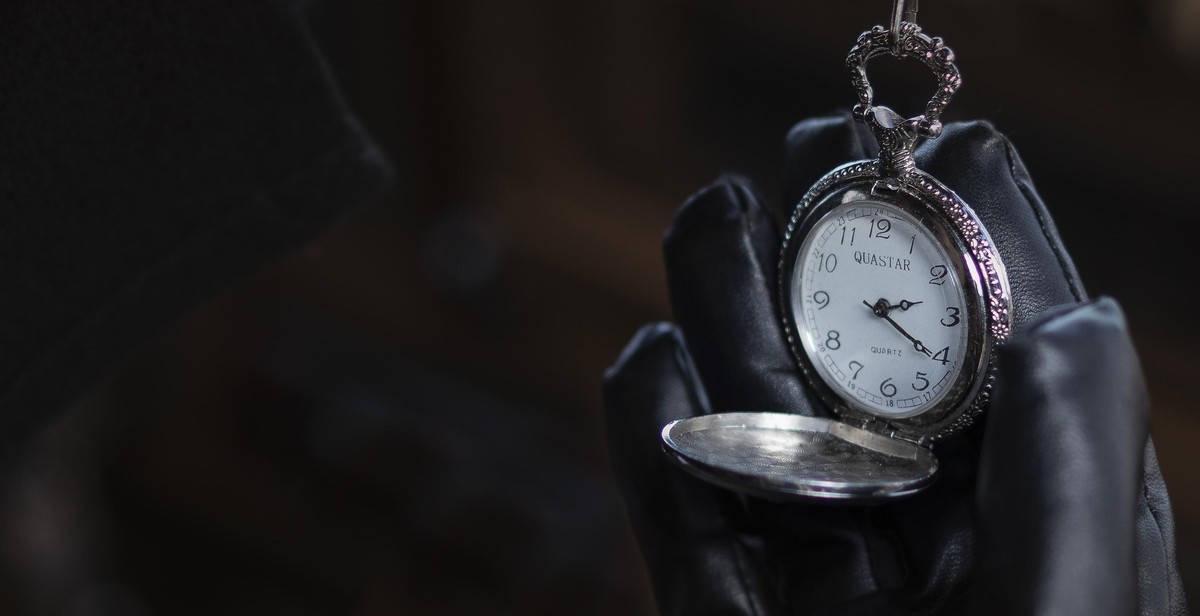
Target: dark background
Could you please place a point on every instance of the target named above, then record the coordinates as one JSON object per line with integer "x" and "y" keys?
{"x": 404, "y": 417}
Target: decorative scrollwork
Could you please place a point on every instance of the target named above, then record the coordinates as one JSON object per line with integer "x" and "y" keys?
{"x": 897, "y": 136}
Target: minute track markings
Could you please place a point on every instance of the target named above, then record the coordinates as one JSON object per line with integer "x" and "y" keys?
{"x": 821, "y": 302}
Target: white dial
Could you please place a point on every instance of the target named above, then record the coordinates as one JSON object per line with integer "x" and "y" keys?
{"x": 880, "y": 309}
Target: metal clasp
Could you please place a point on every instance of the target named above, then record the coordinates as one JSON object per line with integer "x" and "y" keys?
{"x": 898, "y": 136}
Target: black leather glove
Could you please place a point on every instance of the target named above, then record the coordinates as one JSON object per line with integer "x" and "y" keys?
{"x": 1053, "y": 505}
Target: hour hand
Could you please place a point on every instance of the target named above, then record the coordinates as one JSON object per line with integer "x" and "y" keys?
{"x": 882, "y": 306}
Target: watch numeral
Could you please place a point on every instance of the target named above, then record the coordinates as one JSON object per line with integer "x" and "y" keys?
{"x": 834, "y": 341}
{"x": 912, "y": 244}
{"x": 880, "y": 228}
{"x": 887, "y": 389}
{"x": 856, "y": 370}
{"x": 925, "y": 382}
{"x": 825, "y": 263}
{"x": 943, "y": 356}
{"x": 820, "y": 298}
{"x": 939, "y": 274}
{"x": 852, "y": 231}
{"x": 953, "y": 316}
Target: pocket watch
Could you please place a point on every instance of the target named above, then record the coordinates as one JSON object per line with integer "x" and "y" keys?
{"x": 894, "y": 300}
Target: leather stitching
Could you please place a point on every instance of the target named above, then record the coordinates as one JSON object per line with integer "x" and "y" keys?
{"x": 1158, "y": 525}
{"x": 1155, "y": 515}
{"x": 1033, "y": 201}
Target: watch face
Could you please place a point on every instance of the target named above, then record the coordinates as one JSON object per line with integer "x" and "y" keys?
{"x": 894, "y": 299}
{"x": 880, "y": 309}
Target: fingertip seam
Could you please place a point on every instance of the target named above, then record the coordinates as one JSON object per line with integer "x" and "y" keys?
{"x": 730, "y": 182}
{"x": 641, "y": 340}
{"x": 665, "y": 332}
{"x": 1162, "y": 545}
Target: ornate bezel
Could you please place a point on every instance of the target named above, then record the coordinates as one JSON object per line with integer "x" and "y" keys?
{"x": 981, "y": 270}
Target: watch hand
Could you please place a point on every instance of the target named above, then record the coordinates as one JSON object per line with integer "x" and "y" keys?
{"x": 880, "y": 309}
{"x": 916, "y": 343}
{"x": 888, "y": 307}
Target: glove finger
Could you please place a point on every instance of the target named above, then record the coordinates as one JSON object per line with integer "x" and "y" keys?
{"x": 979, "y": 164}
{"x": 935, "y": 529}
{"x": 828, "y": 557}
{"x": 699, "y": 561}
{"x": 1061, "y": 469}
{"x": 721, "y": 256}
{"x": 722, "y": 259}
{"x": 721, "y": 266}
{"x": 816, "y": 146}
{"x": 983, "y": 168}
{"x": 1042, "y": 275}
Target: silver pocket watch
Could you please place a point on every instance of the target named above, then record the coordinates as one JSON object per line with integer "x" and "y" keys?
{"x": 894, "y": 299}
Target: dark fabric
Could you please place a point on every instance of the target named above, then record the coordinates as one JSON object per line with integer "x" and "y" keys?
{"x": 148, "y": 152}
{"x": 712, "y": 552}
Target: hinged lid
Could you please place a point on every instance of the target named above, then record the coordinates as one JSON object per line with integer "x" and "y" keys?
{"x": 781, "y": 456}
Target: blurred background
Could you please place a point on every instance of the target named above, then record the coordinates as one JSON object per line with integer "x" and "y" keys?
{"x": 405, "y": 417}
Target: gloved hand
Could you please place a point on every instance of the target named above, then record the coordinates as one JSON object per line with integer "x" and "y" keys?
{"x": 1053, "y": 504}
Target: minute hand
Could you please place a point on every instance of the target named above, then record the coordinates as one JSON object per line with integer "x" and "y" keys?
{"x": 916, "y": 343}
